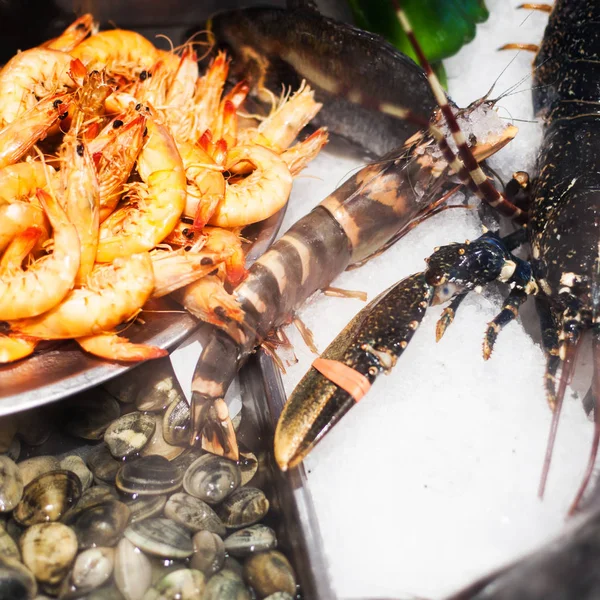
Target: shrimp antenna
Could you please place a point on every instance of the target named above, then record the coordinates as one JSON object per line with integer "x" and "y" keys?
{"x": 471, "y": 173}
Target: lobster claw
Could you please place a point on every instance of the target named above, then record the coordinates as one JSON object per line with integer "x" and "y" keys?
{"x": 370, "y": 344}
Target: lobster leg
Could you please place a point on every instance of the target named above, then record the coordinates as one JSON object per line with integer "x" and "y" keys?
{"x": 509, "y": 312}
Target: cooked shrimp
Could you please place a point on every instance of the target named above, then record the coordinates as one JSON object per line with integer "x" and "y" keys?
{"x": 82, "y": 202}
{"x": 285, "y": 122}
{"x": 17, "y": 138}
{"x": 207, "y": 300}
{"x": 257, "y": 196}
{"x": 48, "y": 280}
{"x": 18, "y": 250}
{"x": 220, "y": 240}
{"x": 115, "y": 159}
{"x": 16, "y": 217}
{"x": 21, "y": 180}
{"x": 208, "y": 97}
{"x": 146, "y": 222}
{"x": 175, "y": 268}
{"x": 114, "y": 347}
{"x": 91, "y": 94}
{"x": 113, "y": 294}
{"x": 32, "y": 76}
{"x": 14, "y": 348}
{"x": 182, "y": 88}
{"x": 207, "y": 184}
{"x": 118, "y": 51}
{"x": 300, "y": 154}
{"x": 73, "y": 35}
{"x": 185, "y": 235}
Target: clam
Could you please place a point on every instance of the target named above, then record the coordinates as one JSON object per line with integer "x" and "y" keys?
{"x": 189, "y": 455}
{"x": 11, "y": 484}
{"x": 33, "y": 467}
{"x": 143, "y": 507}
{"x": 132, "y": 571}
{"x": 244, "y": 507}
{"x": 102, "y": 465}
{"x": 159, "y": 388}
{"x": 16, "y": 581}
{"x": 101, "y": 525}
{"x": 232, "y": 564}
{"x": 193, "y": 514}
{"x": 129, "y": 434}
{"x": 248, "y": 465}
{"x": 269, "y": 572}
{"x": 91, "y": 497}
{"x": 177, "y": 422}
{"x": 48, "y": 549}
{"x": 48, "y": 497}
{"x": 280, "y": 596}
{"x": 92, "y": 569}
{"x": 209, "y": 552}
{"x": 158, "y": 443}
{"x": 226, "y": 585}
{"x": 160, "y": 537}
{"x": 35, "y": 426}
{"x": 76, "y": 465}
{"x": 8, "y": 546}
{"x": 212, "y": 478}
{"x": 250, "y": 539}
{"x": 89, "y": 414}
{"x": 150, "y": 475}
{"x": 183, "y": 584}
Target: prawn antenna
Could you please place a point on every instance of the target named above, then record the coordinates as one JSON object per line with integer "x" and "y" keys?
{"x": 470, "y": 172}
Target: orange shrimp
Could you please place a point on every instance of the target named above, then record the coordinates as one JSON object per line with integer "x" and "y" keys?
{"x": 31, "y": 76}
{"x": 143, "y": 224}
{"x": 111, "y": 346}
{"x": 73, "y": 35}
{"x": 48, "y": 280}
{"x": 118, "y": 51}
{"x": 18, "y": 137}
{"x": 82, "y": 201}
{"x": 285, "y": 122}
{"x": 113, "y": 294}
{"x": 257, "y": 196}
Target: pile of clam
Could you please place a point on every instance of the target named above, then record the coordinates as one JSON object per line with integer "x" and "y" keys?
{"x": 130, "y": 512}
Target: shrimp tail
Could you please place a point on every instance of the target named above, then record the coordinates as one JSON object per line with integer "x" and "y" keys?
{"x": 111, "y": 346}
{"x": 14, "y": 347}
{"x": 216, "y": 369}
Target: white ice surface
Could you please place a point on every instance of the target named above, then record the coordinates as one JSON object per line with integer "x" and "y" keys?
{"x": 432, "y": 479}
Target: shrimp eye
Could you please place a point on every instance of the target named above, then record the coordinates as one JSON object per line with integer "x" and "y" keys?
{"x": 80, "y": 149}
{"x": 118, "y": 123}
{"x": 138, "y": 106}
{"x": 57, "y": 103}
{"x": 144, "y": 75}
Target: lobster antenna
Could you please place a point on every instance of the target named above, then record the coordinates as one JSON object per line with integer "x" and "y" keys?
{"x": 484, "y": 189}
{"x": 595, "y": 391}
{"x": 568, "y": 364}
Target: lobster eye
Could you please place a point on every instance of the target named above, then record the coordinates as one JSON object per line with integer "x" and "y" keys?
{"x": 443, "y": 293}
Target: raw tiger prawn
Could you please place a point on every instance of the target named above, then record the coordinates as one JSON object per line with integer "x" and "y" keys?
{"x": 356, "y": 221}
{"x": 563, "y": 273}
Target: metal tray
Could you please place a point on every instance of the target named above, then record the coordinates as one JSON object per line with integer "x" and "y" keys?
{"x": 63, "y": 369}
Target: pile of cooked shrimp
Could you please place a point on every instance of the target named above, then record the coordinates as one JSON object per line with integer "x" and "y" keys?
{"x": 125, "y": 175}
